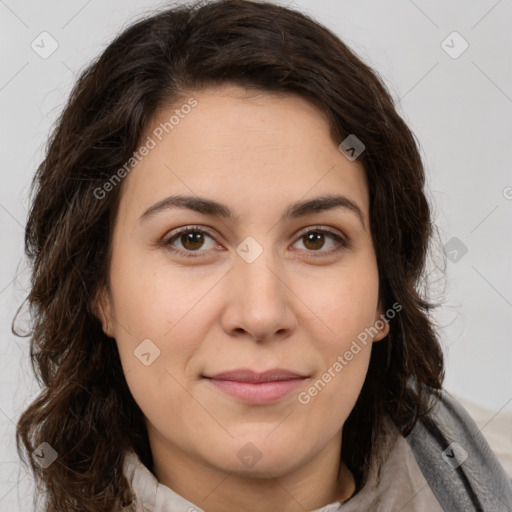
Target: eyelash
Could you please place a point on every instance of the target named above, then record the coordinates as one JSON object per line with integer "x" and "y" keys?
{"x": 343, "y": 244}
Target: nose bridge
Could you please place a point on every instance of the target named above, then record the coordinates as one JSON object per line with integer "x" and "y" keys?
{"x": 263, "y": 279}
{"x": 258, "y": 270}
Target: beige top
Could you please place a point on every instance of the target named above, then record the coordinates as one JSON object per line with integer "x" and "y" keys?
{"x": 402, "y": 486}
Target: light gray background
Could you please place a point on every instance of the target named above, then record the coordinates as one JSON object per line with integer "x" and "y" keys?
{"x": 459, "y": 108}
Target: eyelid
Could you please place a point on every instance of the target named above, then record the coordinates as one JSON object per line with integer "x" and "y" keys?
{"x": 342, "y": 240}
{"x": 322, "y": 228}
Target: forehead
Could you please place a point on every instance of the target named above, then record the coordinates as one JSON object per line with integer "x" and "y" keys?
{"x": 249, "y": 149}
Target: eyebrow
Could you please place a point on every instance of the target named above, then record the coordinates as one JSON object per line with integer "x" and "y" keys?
{"x": 295, "y": 210}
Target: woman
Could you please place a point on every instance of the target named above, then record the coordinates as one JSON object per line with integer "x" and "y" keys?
{"x": 227, "y": 235}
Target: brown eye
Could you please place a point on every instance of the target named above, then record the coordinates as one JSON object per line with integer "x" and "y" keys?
{"x": 191, "y": 240}
{"x": 315, "y": 239}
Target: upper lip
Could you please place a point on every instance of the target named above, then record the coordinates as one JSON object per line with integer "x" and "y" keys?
{"x": 247, "y": 375}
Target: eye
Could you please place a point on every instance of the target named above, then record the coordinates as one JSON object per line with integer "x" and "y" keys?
{"x": 314, "y": 239}
{"x": 193, "y": 238}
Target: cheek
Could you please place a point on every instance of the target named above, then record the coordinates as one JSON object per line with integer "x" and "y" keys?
{"x": 346, "y": 305}
{"x": 336, "y": 387}
{"x": 162, "y": 311}
{"x": 157, "y": 331}
{"x": 344, "y": 302}
{"x": 153, "y": 298}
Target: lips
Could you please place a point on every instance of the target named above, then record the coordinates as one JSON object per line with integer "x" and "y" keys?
{"x": 256, "y": 388}
{"x": 246, "y": 375}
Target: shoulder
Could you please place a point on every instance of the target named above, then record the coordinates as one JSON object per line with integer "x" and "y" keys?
{"x": 456, "y": 460}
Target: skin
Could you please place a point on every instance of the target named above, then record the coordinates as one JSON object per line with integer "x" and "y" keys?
{"x": 256, "y": 153}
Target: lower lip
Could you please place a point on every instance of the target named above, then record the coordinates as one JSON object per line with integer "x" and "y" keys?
{"x": 257, "y": 392}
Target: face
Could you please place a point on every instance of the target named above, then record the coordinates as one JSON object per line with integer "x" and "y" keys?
{"x": 254, "y": 290}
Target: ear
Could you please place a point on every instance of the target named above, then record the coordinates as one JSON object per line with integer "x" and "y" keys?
{"x": 382, "y": 325}
{"x": 102, "y": 309}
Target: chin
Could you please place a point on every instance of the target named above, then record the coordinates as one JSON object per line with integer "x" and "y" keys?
{"x": 267, "y": 466}
{"x": 259, "y": 454}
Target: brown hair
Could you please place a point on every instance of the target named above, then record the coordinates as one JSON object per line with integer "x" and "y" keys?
{"x": 85, "y": 410}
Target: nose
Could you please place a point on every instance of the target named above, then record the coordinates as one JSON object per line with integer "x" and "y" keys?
{"x": 259, "y": 302}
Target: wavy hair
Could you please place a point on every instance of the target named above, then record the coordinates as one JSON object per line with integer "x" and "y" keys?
{"x": 85, "y": 410}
